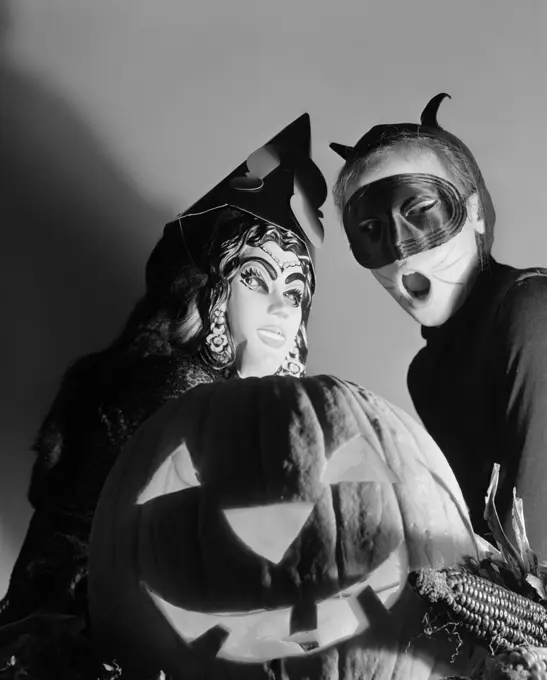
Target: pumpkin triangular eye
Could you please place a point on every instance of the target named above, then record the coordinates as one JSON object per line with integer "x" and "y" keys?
{"x": 269, "y": 530}
{"x": 356, "y": 461}
{"x": 176, "y": 473}
{"x": 184, "y": 467}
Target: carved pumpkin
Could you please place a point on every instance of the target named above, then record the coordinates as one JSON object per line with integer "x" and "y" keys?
{"x": 264, "y": 528}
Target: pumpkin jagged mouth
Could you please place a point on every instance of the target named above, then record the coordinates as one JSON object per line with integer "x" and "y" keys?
{"x": 263, "y": 635}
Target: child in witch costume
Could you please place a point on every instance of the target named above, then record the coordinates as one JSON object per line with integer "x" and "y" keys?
{"x": 418, "y": 215}
{"x": 228, "y": 293}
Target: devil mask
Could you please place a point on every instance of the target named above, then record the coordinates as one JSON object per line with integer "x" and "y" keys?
{"x": 402, "y": 215}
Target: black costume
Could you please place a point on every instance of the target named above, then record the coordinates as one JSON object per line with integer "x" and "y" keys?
{"x": 480, "y": 387}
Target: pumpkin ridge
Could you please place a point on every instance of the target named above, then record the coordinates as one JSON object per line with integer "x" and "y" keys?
{"x": 370, "y": 420}
{"x": 398, "y": 415}
{"x": 339, "y": 557}
{"x": 316, "y": 410}
{"x": 328, "y": 392}
{"x": 365, "y": 425}
{"x": 441, "y": 482}
{"x": 408, "y": 534}
{"x": 435, "y": 475}
{"x": 383, "y": 435}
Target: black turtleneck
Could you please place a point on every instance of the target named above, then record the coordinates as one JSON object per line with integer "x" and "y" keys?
{"x": 480, "y": 387}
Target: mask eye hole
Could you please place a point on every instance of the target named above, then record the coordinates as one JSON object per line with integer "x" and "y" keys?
{"x": 370, "y": 228}
{"x": 422, "y": 207}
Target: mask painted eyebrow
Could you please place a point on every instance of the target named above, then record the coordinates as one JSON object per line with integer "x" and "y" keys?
{"x": 267, "y": 265}
{"x": 272, "y": 271}
{"x": 296, "y": 276}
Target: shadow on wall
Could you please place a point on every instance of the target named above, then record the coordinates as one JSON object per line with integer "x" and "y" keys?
{"x": 72, "y": 266}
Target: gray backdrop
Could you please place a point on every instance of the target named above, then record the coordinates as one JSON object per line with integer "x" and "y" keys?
{"x": 116, "y": 115}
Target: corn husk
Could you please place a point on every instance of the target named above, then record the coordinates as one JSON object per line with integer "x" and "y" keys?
{"x": 515, "y": 565}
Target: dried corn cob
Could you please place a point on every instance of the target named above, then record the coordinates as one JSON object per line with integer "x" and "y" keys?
{"x": 532, "y": 659}
{"x": 522, "y": 663}
{"x": 493, "y": 615}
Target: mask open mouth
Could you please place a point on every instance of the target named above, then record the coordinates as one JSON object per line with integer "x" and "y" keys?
{"x": 417, "y": 285}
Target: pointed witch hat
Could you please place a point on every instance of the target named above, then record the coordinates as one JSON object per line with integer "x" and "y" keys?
{"x": 278, "y": 183}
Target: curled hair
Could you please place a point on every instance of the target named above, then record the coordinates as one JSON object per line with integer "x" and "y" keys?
{"x": 461, "y": 166}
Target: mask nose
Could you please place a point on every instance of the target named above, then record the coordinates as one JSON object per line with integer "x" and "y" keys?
{"x": 402, "y": 234}
{"x": 279, "y": 305}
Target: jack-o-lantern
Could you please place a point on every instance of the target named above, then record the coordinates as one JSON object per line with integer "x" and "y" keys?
{"x": 264, "y": 528}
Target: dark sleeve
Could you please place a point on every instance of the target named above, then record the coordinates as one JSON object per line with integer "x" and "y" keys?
{"x": 74, "y": 447}
{"x": 101, "y": 403}
{"x": 75, "y": 413}
{"x": 521, "y": 399}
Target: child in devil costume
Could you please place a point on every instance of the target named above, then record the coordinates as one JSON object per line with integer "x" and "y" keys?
{"x": 228, "y": 293}
{"x": 418, "y": 215}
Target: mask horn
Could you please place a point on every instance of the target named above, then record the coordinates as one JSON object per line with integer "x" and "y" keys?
{"x": 342, "y": 150}
{"x": 429, "y": 114}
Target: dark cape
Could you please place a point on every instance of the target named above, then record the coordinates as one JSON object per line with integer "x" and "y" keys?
{"x": 480, "y": 387}
{"x": 101, "y": 402}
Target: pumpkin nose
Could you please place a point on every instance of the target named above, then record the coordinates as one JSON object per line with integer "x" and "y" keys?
{"x": 269, "y": 530}
{"x": 175, "y": 474}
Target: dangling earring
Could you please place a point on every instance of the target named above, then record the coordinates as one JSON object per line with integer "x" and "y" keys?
{"x": 291, "y": 364}
{"x": 217, "y": 340}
